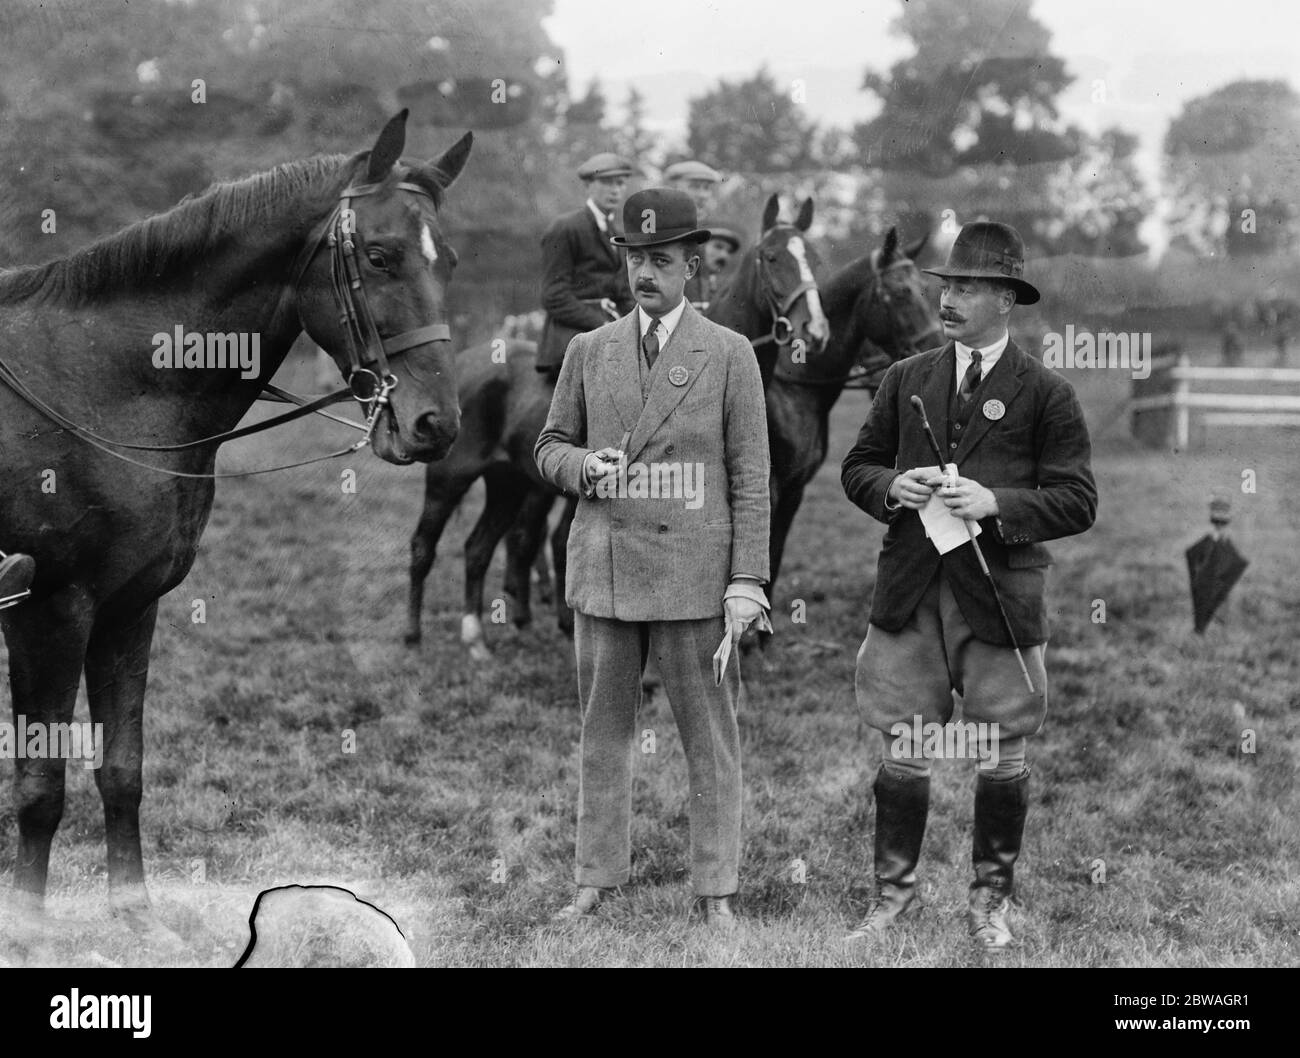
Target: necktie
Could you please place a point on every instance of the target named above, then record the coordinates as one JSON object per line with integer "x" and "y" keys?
{"x": 650, "y": 344}
{"x": 971, "y": 379}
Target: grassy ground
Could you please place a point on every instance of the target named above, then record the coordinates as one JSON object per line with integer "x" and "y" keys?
{"x": 456, "y": 811}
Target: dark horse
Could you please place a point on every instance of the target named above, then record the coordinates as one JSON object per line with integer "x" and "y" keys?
{"x": 878, "y": 313}
{"x": 266, "y": 256}
{"x": 772, "y": 299}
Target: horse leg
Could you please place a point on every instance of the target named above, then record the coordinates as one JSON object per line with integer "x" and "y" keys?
{"x": 47, "y": 651}
{"x": 117, "y": 668}
{"x": 523, "y": 548}
{"x": 559, "y": 559}
{"x": 505, "y": 495}
{"x": 441, "y": 498}
{"x": 783, "y": 512}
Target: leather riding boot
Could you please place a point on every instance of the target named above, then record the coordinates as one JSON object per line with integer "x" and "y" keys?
{"x": 902, "y": 805}
{"x": 1000, "y": 809}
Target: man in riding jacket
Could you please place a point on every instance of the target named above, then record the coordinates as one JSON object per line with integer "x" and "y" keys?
{"x": 583, "y": 282}
{"x": 1017, "y": 435}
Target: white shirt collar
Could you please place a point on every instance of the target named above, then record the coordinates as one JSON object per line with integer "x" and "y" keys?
{"x": 989, "y": 355}
{"x": 602, "y": 222}
{"x": 667, "y": 323}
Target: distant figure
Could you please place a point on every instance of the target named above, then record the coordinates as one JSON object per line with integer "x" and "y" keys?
{"x": 1233, "y": 346}
{"x": 700, "y": 181}
{"x": 723, "y": 245}
{"x": 584, "y": 285}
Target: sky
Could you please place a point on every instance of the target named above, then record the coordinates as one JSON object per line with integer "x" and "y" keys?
{"x": 1150, "y": 55}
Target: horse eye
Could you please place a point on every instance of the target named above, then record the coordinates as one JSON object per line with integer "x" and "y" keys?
{"x": 770, "y": 255}
{"x": 377, "y": 258}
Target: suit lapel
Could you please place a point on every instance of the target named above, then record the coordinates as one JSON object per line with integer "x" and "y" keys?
{"x": 621, "y": 371}
{"x": 934, "y": 391}
{"x": 685, "y": 349}
{"x": 1003, "y": 383}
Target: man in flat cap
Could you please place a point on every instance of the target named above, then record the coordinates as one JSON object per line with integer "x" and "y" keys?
{"x": 583, "y": 282}
{"x": 658, "y": 425}
{"x": 700, "y": 181}
{"x": 719, "y": 252}
{"x": 1017, "y": 435}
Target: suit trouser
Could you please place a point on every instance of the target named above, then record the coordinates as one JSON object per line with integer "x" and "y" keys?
{"x": 611, "y": 656}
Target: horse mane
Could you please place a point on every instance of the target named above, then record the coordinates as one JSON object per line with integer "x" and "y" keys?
{"x": 840, "y": 293}
{"x": 166, "y": 242}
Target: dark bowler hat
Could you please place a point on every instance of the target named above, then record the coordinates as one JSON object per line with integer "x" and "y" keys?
{"x": 658, "y": 215}
{"x": 985, "y": 249}
{"x": 604, "y": 164}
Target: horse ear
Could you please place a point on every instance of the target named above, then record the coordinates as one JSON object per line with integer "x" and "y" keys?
{"x": 771, "y": 211}
{"x": 914, "y": 251}
{"x": 388, "y": 148}
{"x": 448, "y": 166}
{"x": 805, "y": 215}
{"x": 890, "y": 248}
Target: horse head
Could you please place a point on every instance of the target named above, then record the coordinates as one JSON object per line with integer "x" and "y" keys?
{"x": 372, "y": 290}
{"x": 893, "y": 310}
{"x": 787, "y": 278}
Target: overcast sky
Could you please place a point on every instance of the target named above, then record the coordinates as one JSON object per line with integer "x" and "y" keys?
{"x": 1153, "y": 55}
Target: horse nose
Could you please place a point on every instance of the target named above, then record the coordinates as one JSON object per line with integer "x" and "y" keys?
{"x": 437, "y": 430}
{"x": 818, "y": 333}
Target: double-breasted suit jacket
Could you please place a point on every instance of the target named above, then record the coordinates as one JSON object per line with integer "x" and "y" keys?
{"x": 1027, "y": 441}
{"x": 635, "y": 558}
{"x": 579, "y": 267}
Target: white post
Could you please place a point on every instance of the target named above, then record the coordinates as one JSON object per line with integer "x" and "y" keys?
{"x": 1182, "y": 413}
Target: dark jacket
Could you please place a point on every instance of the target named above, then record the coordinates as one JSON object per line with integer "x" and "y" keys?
{"x": 1036, "y": 459}
{"x": 579, "y": 267}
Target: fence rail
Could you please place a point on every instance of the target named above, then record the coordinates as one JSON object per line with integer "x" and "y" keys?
{"x": 1168, "y": 405}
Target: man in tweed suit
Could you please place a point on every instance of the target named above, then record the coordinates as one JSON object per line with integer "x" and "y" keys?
{"x": 658, "y": 425}
{"x": 1019, "y": 439}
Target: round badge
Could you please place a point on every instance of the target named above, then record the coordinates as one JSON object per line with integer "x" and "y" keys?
{"x": 677, "y": 376}
{"x": 994, "y": 410}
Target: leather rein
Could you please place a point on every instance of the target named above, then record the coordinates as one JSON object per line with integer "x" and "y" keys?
{"x": 369, "y": 379}
{"x": 782, "y": 332}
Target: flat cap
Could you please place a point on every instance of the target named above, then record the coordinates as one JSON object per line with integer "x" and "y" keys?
{"x": 692, "y": 171}
{"x": 605, "y": 164}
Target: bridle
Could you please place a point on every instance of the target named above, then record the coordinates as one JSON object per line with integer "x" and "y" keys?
{"x": 869, "y": 358}
{"x": 782, "y": 333}
{"x": 369, "y": 378}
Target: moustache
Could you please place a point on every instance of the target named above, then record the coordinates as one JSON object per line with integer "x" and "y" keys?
{"x": 646, "y": 288}
{"x": 948, "y": 317}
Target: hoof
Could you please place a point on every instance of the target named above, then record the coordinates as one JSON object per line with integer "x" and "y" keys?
{"x": 412, "y": 639}
{"x": 479, "y": 653}
{"x": 145, "y": 924}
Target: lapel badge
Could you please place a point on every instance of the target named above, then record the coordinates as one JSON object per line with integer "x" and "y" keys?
{"x": 994, "y": 410}
{"x": 677, "y": 375}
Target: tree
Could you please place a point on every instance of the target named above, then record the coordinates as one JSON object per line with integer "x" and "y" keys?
{"x": 1232, "y": 163}
{"x": 751, "y": 127}
{"x": 1102, "y": 199}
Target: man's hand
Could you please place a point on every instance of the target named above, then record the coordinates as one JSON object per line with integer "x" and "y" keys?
{"x": 601, "y": 464}
{"x": 969, "y": 499}
{"x": 912, "y": 489}
{"x": 741, "y": 613}
{"x": 608, "y": 307}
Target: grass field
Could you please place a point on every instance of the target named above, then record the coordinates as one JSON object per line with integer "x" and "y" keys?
{"x": 456, "y": 811}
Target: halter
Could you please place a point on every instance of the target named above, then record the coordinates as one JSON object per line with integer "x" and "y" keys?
{"x": 782, "y": 332}
{"x": 368, "y": 386}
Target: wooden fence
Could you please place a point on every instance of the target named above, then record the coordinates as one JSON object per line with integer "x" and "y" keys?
{"x": 1178, "y": 403}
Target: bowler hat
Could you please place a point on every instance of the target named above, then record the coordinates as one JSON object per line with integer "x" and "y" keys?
{"x": 605, "y": 164}
{"x": 985, "y": 249}
{"x": 658, "y": 215}
{"x": 692, "y": 171}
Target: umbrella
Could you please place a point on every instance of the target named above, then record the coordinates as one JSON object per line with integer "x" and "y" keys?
{"x": 1214, "y": 566}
